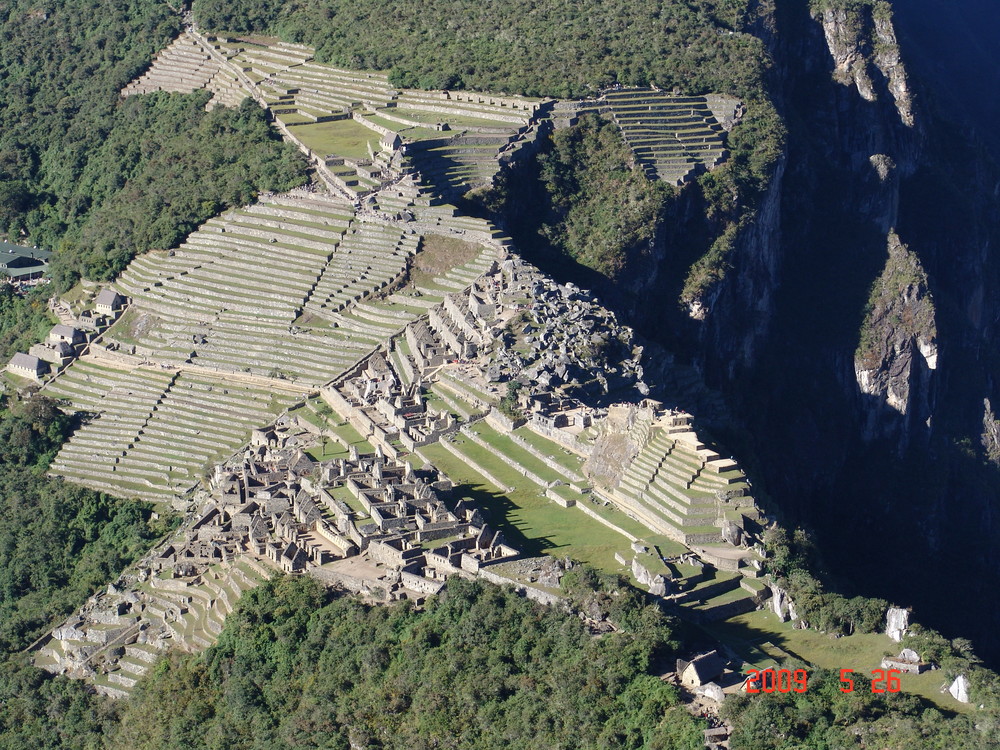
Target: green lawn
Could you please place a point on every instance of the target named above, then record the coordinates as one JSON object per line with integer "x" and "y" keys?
{"x": 509, "y": 448}
{"x": 619, "y": 519}
{"x": 350, "y": 436}
{"x": 327, "y": 450}
{"x": 531, "y": 522}
{"x": 551, "y": 449}
{"x": 346, "y": 138}
{"x": 455, "y": 121}
{"x": 751, "y": 635}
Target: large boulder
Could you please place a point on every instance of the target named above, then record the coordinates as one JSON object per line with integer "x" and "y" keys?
{"x": 780, "y": 603}
{"x": 655, "y": 583}
{"x": 960, "y": 689}
{"x": 732, "y": 533}
{"x": 897, "y": 620}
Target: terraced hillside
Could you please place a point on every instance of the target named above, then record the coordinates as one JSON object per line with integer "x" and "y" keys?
{"x": 673, "y": 137}
{"x": 454, "y": 139}
{"x": 257, "y": 308}
{"x": 682, "y": 489}
{"x": 184, "y": 66}
{"x": 152, "y": 434}
{"x": 161, "y": 613}
{"x": 244, "y": 292}
{"x": 347, "y": 120}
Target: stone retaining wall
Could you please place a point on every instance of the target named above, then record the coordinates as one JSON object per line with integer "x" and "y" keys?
{"x": 563, "y": 438}
{"x": 554, "y": 465}
{"x": 606, "y": 522}
{"x": 467, "y": 432}
{"x": 537, "y": 595}
{"x": 473, "y": 465}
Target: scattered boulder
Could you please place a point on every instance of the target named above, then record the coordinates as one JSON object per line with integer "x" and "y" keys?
{"x": 551, "y": 573}
{"x": 659, "y": 586}
{"x": 732, "y": 533}
{"x": 960, "y": 689}
{"x": 712, "y": 691}
{"x": 655, "y": 583}
{"x": 781, "y": 604}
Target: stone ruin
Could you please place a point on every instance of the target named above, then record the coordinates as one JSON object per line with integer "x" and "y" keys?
{"x": 399, "y": 409}
{"x": 557, "y": 337}
{"x": 907, "y": 661}
{"x": 302, "y": 514}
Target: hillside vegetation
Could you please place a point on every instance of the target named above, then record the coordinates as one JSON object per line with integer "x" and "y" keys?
{"x": 58, "y": 542}
{"x": 97, "y": 179}
{"x": 596, "y": 206}
{"x": 480, "y": 667}
{"x": 166, "y": 167}
{"x": 546, "y": 48}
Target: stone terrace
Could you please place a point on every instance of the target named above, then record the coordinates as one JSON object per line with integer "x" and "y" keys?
{"x": 184, "y": 66}
{"x": 649, "y": 462}
{"x": 118, "y": 636}
{"x": 154, "y": 433}
{"x": 673, "y": 137}
{"x": 231, "y": 297}
{"x": 456, "y": 139}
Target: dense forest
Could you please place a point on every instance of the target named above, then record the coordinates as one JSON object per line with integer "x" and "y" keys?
{"x": 479, "y": 667}
{"x": 166, "y": 167}
{"x": 58, "y": 542}
{"x": 547, "y": 48}
{"x": 584, "y": 199}
{"x": 23, "y": 319}
{"x": 97, "y": 179}
{"x": 298, "y": 666}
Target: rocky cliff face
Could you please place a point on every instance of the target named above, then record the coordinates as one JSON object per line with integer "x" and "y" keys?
{"x": 855, "y": 334}
{"x": 897, "y": 354}
{"x": 862, "y": 42}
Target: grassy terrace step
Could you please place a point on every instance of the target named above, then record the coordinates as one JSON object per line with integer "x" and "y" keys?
{"x": 515, "y": 452}
{"x": 347, "y": 435}
{"x": 657, "y": 515}
{"x": 551, "y": 450}
{"x": 440, "y": 398}
{"x": 396, "y": 360}
{"x": 467, "y": 394}
{"x": 507, "y": 447}
{"x": 613, "y": 514}
{"x": 529, "y": 521}
{"x": 455, "y": 382}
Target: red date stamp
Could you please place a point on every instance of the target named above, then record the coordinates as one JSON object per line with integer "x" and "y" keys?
{"x": 797, "y": 681}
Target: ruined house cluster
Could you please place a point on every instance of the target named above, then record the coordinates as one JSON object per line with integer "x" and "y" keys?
{"x": 399, "y": 408}
{"x": 558, "y": 337}
{"x": 65, "y": 342}
{"x": 275, "y": 502}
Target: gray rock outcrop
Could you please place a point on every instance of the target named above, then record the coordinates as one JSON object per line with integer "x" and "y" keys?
{"x": 960, "y": 689}
{"x": 896, "y": 622}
